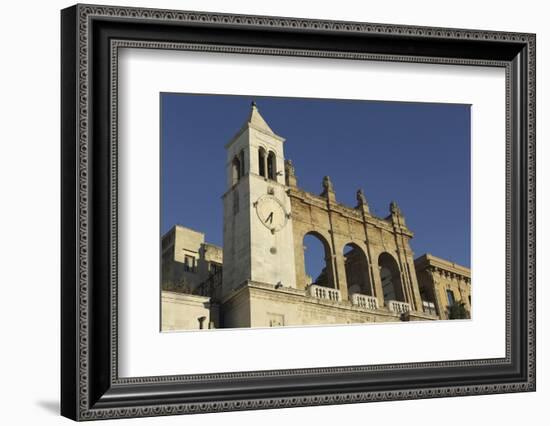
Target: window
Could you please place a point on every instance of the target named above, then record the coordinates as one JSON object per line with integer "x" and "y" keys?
{"x": 450, "y": 297}
{"x": 241, "y": 160}
{"x": 271, "y": 166}
{"x": 215, "y": 268}
{"x": 261, "y": 162}
{"x": 429, "y": 307}
{"x": 235, "y": 171}
{"x": 189, "y": 264}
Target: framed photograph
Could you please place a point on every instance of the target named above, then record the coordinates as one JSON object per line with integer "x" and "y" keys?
{"x": 263, "y": 212}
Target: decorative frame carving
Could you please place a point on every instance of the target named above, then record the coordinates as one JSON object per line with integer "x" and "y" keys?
{"x": 91, "y": 36}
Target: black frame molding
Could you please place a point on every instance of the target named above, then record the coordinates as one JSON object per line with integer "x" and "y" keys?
{"x": 91, "y": 37}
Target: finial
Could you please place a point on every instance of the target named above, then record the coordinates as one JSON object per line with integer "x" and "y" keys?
{"x": 362, "y": 201}
{"x": 394, "y": 208}
{"x": 361, "y": 197}
{"x": 290, "y": 174}
{"x": 253, "y": 104}
{"x": 327, "y": 184}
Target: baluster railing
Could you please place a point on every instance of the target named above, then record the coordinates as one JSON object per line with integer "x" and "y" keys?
{"x": 325, "y": 293}
{"x": 398, "y": 307}
{"x": 364, "y": 301}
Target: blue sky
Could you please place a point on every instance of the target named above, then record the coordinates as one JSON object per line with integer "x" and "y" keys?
{"x": 417, "y": 154}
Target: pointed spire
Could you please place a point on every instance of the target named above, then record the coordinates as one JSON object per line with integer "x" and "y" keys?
{"x": 256, "y": 120}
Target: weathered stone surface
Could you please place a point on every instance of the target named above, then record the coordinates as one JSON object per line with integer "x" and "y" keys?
{"x": 187, "y": 312}
{"x": 437, "y": 276}
{"x": 258, "y": 305}
{"x": 203, "y": 259}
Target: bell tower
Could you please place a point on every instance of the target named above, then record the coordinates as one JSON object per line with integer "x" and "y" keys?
{"x": 257, "y": 232}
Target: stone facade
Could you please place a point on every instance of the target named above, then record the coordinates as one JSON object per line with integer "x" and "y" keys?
{"x": 187, "y": 261}
{"x": 182, "y": 311}
{"x": 370, "y": 274}
{"x": 255, "y": 170}
{"x": 260, "y": 305}
{"x": 379, "y": 242}
{"x": 442, "y": 283}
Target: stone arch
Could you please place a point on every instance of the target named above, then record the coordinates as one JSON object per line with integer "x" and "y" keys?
{"x": 326, "y": 276}
{"x": 271, "y": 166}
{"x": 235, "y": 170}
{"x": 390, "y": 276}
{"x": 242, "y": 162}
{"x": 262, "y": 161}
{"x": 356, "y": 270}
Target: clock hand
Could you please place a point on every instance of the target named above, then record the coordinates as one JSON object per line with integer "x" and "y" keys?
{"x": 269, "y": 218}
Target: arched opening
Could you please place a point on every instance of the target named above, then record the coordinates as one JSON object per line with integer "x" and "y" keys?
{"x": 271, "y": 166}
{"x": 317, "y": 261}
{"x": 261, "y": 162}
{"x": 357, "y": 270}
{"x": 391, "y": 278}
{"x": 241, "y": 160}
{"x": 235, "y": 170}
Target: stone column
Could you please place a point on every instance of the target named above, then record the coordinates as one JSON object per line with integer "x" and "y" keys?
{"x": 372, "y": 269}
{"x": 442, "y": 294}
{"x": 340, "y": 273}
{"x": 436, "y": 292}
{"x": 464, "y": 293}
{"x": 299, "y": 256}
{"x": 379, "y": 292}
{"x": 337, "y": 263}
{"x": 415, "y": 288}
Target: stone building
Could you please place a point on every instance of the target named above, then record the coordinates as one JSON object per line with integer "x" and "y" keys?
{"x": 370, "y": 273}
{"x": 443, "y": 283}
{"x": 190, "y": 270}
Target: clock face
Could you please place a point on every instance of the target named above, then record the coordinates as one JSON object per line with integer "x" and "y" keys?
{"x": 271, "y": 212}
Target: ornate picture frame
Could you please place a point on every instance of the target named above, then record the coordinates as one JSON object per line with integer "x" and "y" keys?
{"x": 91, "y": 387}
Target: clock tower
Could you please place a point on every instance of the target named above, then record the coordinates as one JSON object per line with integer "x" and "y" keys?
{"x": 258, "y": 242}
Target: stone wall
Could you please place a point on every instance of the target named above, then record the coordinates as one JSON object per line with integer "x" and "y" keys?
{"x": 336, "y": 226}
{"x": 260, "y": 305}
{"x": 183, "y": 312}
{"x": 177, "y": 244}
{"x": 436, "y": 276}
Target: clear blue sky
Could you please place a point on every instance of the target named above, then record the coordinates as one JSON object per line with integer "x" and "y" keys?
{"x": 417, "y": 154}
